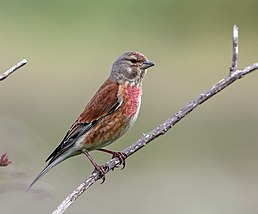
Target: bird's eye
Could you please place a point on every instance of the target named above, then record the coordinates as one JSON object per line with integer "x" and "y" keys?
{"x": 133, "y": 60}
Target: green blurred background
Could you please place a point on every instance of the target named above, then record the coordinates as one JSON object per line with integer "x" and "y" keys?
{"x": 208, "y": 163}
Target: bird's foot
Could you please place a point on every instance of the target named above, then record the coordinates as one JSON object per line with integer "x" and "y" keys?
{"x": 101, "y": 170}
{"x": 121, "y": 157}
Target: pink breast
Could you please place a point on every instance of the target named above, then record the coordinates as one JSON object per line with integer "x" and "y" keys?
{"x": 133, "y": 95}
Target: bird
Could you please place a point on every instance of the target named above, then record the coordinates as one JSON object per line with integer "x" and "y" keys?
{"x": 109, "y": 114}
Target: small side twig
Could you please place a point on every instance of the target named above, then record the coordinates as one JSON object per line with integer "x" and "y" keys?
{"x": 235, "y": 50}
{"x": 13, "y": 69}
{"x": 168, "y": 124}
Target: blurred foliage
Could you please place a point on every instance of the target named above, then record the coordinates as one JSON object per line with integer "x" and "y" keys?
{"x": 207, "y": 164}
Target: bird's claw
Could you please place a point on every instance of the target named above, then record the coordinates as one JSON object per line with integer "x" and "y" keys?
{"x": 101, "y": 170}
{"x": 121, "y": 157}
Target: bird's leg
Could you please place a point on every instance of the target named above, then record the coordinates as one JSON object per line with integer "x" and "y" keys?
{"x": 97, "y": 168}
{"x": 120, "y": 155}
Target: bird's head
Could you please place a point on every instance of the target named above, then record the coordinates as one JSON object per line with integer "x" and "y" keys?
{"x": 130, "y": 67}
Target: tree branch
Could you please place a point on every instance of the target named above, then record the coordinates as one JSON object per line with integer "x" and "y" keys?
{"x": 168, "y": 124}
{"x": 13, "y": 69}
{"x": 235, "y": 50}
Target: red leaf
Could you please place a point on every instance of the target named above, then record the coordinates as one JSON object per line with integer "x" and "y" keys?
{"x": 4, "y": 160}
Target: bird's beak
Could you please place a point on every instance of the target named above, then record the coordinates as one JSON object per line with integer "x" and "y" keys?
{"x": 147, "y": 64}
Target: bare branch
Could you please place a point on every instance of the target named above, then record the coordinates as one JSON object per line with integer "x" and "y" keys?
{"x": 164, "y": 127}
{"x": 13, "y": 69}
{"x": 235, "y": 50}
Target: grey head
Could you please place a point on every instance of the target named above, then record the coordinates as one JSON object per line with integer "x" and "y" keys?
{"x": 130, "y": 67}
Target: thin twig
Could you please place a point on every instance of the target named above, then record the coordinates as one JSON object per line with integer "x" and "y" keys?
{"x": 161, "y": 129}
{"x": 235, "y": 50}
{"x": 13, "y": 69}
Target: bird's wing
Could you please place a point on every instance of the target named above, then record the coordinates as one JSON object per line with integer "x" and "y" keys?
{"x": 105, "y": 102}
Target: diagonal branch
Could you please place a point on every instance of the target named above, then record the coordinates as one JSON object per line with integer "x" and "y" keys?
{"x": 168, "y": 124}
{"x": 13, "y": 69}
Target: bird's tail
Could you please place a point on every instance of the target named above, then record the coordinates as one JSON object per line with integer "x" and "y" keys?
{"x": 51, "y": 164}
